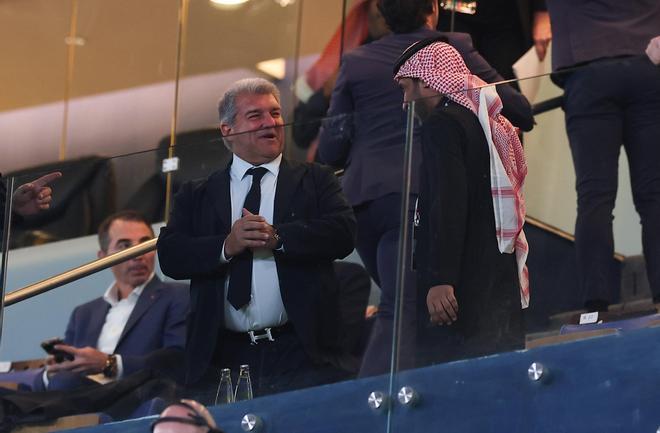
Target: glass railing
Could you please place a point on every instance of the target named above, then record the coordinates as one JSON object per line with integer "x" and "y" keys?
{"x": 398, "y": 338}
{"x": 157, "y": 110}
{"x": 466, "y": 307}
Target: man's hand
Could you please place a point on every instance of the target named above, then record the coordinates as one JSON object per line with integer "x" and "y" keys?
{"x": 33, "y": 197}
{"x": 442, "y": 305}
{"x": 653, "y": 50}
{"x": 541, "y": 33}
{"x": 251, "y": 231}
{"x": 269, "y": 230}
{"x": 86, "y": 360}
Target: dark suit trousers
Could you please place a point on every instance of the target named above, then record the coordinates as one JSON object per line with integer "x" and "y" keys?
{"x": 379, "y": 224}
{"x": 609, "y": 103}
{"x": 279, "y": 366}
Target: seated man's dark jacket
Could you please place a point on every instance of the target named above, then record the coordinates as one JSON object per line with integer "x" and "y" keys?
{"x": 154, "y": 334}
{"x": 316, "y": 225}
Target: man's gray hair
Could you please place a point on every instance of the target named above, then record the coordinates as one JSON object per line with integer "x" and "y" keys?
{"x": 227, "y": 108}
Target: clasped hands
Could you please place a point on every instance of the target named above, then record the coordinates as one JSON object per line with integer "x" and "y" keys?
{"x": 86, "y": 360}
{"x": 442, "y": 304}
{"x": 251, "y": 231}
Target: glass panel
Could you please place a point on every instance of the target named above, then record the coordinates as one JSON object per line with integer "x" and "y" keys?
{"x": 33, "y": 70}
{"x": 49, "y": 242}
{"x": 123, "y": 88}
{"x": 318, "y": 71}
{"x": 469, "y": 294}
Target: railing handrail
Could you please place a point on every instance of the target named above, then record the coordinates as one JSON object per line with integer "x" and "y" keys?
{"x": 106, "y": 262}
{"x": 79, "y": 272}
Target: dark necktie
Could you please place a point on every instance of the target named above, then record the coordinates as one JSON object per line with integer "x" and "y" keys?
{"x": 240, "y": 280}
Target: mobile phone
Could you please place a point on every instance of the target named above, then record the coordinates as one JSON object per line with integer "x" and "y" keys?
{"x": 49, "y": 347}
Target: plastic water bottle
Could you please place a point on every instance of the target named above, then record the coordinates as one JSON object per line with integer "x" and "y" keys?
{"x": 244, "y": 384}
{"x": 225, "y": 392}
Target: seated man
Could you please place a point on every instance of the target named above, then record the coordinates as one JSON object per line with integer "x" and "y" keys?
{"x": 185, "y": 416}
{"x": 258, "y": 239}
{"x": 471, "y": 249}
{"x": 138, "y": 323}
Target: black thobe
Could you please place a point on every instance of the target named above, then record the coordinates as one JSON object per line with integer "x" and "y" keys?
{"x": 456, "y": 243}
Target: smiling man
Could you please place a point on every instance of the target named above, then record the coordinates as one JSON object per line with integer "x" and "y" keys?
{"x": 138, "y": 323}
{"x": 257, "y": 240}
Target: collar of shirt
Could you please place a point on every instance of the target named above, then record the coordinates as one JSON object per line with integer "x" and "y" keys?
{"x": 239, "y": 167}
{"x": 110, "y": 295}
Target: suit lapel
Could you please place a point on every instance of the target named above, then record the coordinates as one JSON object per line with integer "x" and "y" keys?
{"x": 147, "y": 298}
{"x": 220, "y": 195}
{"x": 96, "y": 323}
{"x": 287, "y": 182}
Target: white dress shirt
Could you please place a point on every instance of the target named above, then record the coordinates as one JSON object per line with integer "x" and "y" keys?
{"x": 266, "y": 308}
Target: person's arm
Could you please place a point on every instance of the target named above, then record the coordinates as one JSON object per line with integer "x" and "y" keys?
{"x": 337, "y": 128}
{"x": 181, "y": 254}
{"x": 541, "y": 28}
{"x": 447, "y": 200}
{"x": 330, "y": 234}
{"x": 86, "y": 360}
{"x": 515, "y": 107}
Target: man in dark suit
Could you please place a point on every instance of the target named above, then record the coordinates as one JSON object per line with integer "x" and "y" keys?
{"x": 257, "y": 239}
{"x": 612, "y": 99}
{"x": 471, "y": 274}
{"x": 138, "y": 323}
{"x": 501, "y": 31}
{"x": 364, "y": 132}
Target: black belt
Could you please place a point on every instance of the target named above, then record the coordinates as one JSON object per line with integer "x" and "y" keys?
{"x": 261, "y": 335}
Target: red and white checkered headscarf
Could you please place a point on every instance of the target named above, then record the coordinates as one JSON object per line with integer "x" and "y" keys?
{"x": 442, "y": 68}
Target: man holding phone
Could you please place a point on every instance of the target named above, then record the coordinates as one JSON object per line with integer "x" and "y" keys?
{"x": 138, "y": 323}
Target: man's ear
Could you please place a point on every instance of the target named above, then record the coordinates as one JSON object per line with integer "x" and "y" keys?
{"x": 225, "y": 129}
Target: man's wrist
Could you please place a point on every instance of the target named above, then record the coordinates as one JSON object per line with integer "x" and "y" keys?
{"x": 224, "y": 257}
{"x": 110, "y": 369}
{"x": 276, "y": 243}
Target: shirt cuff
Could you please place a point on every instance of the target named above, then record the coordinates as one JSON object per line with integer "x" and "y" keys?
{"x": 44, "y": 378}
{"x": 120, "y": 367}
{"x": 224, "y": 259}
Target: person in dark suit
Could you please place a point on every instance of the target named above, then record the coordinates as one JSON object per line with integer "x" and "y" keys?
{"x": 257, "y": 239}
{"x": 612, "y": 99}
{"x": 139, "y": 322}
{"x": 471, "y": 250}
{"x": 364, "y": 132}
{"x": 501, "y": 31}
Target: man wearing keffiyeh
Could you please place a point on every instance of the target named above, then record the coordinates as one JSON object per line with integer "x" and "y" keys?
{"x": 471, "y": 249}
